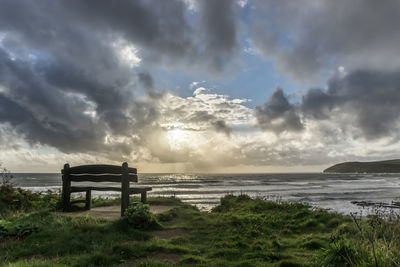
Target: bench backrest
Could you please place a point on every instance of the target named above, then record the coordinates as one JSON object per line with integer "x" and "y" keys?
{"x": 99, "y": 173}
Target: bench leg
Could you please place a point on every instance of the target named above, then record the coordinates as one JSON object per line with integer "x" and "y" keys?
{"x": 143, "y": 197}
{"x": 124, "y": 198}
{"x": 67, "y": 205}
{"x": 88, "y": 199}
{"x": 66, "y": 195}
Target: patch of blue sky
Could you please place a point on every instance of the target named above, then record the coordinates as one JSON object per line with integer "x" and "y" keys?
{"x": 249, "y": 76}
{"x": 245, "y": 14}
{"x": 255, "y": 79}
{"x": 21, "y": 52}
{"x": 39, "y": 55}
{"x": 174, "y": 81}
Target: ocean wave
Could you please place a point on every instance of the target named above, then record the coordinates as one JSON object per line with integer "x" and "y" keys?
{"x": 331, "y": 191}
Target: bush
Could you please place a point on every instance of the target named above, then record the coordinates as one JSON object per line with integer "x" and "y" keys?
{"x": 13, "y": 198}
{"x": 374, "y": 241}
{"x": 140, "y": 217}
{"x": 14, "y": 229}
{"x": 6, "y": 176}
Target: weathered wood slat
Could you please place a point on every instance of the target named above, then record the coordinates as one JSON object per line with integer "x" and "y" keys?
{"x": 75, "y": 189}
{"x": 101, "y": 178}
{"x": 99, "y": 169}
{"x": 135, "y": 190}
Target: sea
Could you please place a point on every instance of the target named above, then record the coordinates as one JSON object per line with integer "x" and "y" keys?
{"x": 335, "y": 192}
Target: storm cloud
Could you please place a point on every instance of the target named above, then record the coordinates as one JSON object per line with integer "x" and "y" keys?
{"x": 111, "y": 79}
{"x": 349, "y": 48}
{"x": 369, "y": 100}
{"x": 69, "y": 69}
{"x": 277, "y": 114}
{"x": 307, "y": 43}
{"x": 363, "y": 102}
{"x": 218, "y": 20}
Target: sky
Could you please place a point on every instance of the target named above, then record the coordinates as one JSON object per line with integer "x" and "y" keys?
{"x": 198, "y": 85}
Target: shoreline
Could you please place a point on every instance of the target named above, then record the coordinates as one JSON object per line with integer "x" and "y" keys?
{"x": 333, "y": 192}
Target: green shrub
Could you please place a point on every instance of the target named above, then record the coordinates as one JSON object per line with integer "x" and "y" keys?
{"x": 243, "y": 198}
{"x": 13, "y": 229}
{"x": 372, "y": 241}
{"x": 140, "y": 217}
{"x": 227, "y": 203}
{"x": 342, "y": 253}
{"x": 13, "y": 198}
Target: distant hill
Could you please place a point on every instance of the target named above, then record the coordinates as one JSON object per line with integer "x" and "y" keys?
{"x": 387, "y": 166}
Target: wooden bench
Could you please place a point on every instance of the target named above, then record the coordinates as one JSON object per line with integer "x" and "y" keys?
{"x": 100, "y": 173}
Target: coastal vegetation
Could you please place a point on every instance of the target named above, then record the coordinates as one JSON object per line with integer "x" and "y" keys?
{"x": 240, "y": 231}
{"x": 385, "y": 166}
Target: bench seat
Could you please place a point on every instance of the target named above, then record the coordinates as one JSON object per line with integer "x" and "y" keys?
{"x": 134, "y": 190}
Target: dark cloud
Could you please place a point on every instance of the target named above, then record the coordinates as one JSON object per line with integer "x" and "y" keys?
{"x": 323, "y": 35}
{"x": 69, "y": 72}
{"x": 363, "y": 102}
{"x": 200, "y": 117}
{"x": 277, "y": 114}
{"x": 220, "y": 126}
{"x": 66, "y": 76}
{"x": 359, "y": 37}
{"x": 146, "y": 80}
{"x": 367, "y": 99}
{"x": 52, "y": 103}
{"x": 218, "y": 19}
{"x": 43, "y": 114}
{"x": 155, "y": 25}
{"x": 317, "y": 103}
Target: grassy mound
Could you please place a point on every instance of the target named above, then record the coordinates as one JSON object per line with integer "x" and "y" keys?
{"x": 239, "y": 232}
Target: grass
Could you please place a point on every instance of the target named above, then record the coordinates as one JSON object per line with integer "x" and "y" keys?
{"x": 242, "y": 231}
{"x": 239, "y": 232}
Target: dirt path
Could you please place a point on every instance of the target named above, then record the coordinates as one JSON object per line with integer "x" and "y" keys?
{"x": 113, "y": 212}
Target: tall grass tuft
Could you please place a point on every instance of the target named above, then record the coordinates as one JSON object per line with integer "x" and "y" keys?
{"x": 371, "y": 241}
{"x": 13, "y": 198}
